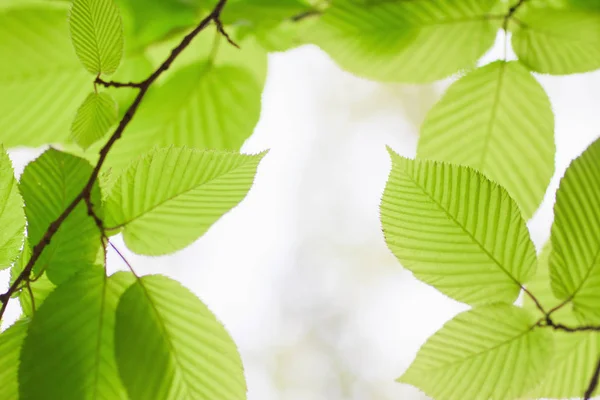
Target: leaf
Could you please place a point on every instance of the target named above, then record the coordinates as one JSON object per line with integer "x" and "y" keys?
{"x": 169, "y": 198}
{"x": 405, "y": 41}
{"x": 200, "y": 107}
{"x": 261, "y": 12}
{"x": 10, "y": 351}
{"x": 69, "y": 349}
{"x": 574, "y": 261}
{"x": 558, "y": 41}
{"x": 193, "y": 357}
{"x": 97, "y": 34}
{"x": 498, "y": 120}
{"x": 489, "y": 352}
{"x": 456, "y": 230}
{"x": 49, "y": 184}
{"x": 95, "y": 116}
{"x": 43, "y": 84}
{"x": 12, "y": 216}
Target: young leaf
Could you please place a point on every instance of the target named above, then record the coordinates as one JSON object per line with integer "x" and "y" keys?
{"x": 12, "y": 216}
{"x": 456, "y": 230}
{"x": 193, "y": 356}
{"x": 405, "y": 40}
{"x": 169, "y": 198}
{"x": 10, "y": 351}
{"x": 498, "y": 120}
{"x": 95, "y": 116}
{"x": 200, "y": 106}
{"x": 489, "y": 352}
{"x": 574, "y": 261}
{"x": 43, "y": 83}
{"x": 97, "y": 34}
{"x": 48, "y": 185}
{"x": 558, "y": 41}
{"x": 69, "y": 349}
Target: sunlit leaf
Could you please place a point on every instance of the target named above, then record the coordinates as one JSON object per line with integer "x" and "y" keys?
{"x": 69, "y": 349}
{"x": 498, "y": 120}
{"x": 408, "y": 41}
{"x": 43, "y": 84}
{"x": 48, "y": 185}
{"x": 558, "y": 41}
{"x": 12, "y": 216}
{"x": 169, "y": 198}
{"x": 10, "y": 352}
{"x": 489, "y": 352}
{"x": 95, "y": 116}
{"x": 456, "y": 230}
{"x": 193, "y": 356}
{"x": 97, "y": 34}
{"x": 574, "y": 260}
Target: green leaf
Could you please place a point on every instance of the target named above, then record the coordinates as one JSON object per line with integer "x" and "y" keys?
{"x": 490, "y": 352}
{"x": 95, "y": 116}
{"x": 407, "y": 41}
{"x": 97, "y": 34}
{"x": 69, "y": 349}
{"x": 575, "y": 260}
{"x": 48, "y": 185}
{"x": 193, "y": 356}
{"x": 498, "y": 120}
{"x": 558, "y": 41}
{"x": 456, "y": 230}
{"x": 43, "y": 84}
{"x": 10, "y": 351}
{"x": 261, "y": 12}
{"x": 200, "y": 107}
{"x": 12, "y": 216}
{"x": 169, "y": 198}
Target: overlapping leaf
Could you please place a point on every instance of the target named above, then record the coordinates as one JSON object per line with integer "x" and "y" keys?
{"x": 406, "y": 40}
{"x": 456, "y": 230}
{"x": 200, "y": 106}
{"x": 558, "y": 42}
{"x": 48, "y": 185}
{"x": 498, "y": 120}
{"x": 97, "y": 34}
{"x": 69, "y": 349}
{"x": 95, "y": 116}
{"x": 10, "y": 351}
{"x": 193, "y": 356}
{"x": 43, "y": 83}
{"x": 490, "y": 352}
{"x": 169, "y": 198}
{"x": 12, "y": 216}
{"x": 575, "y": 260}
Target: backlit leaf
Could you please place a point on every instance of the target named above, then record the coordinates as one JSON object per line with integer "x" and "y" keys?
{"x": 12, "y": 216}
{"x": 456, "y": 230}
{"x": 95, "y": 116}
{"x": 10, "y": 352}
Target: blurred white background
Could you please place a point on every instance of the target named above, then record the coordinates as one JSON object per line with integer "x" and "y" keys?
{"x": 299, "y": 272}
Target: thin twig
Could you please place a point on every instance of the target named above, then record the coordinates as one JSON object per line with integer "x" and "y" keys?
{"x": 593, "y": 383}
{"x": 124, "y": 259}
{"x": 135, "y": 85}
{"x": 305, "y": 14}
{"x": 87, "y": 190}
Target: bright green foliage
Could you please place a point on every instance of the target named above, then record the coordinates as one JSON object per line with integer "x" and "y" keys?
{"x": 95, "y": 116}
{"x": 574, "y": 261}
{"x": 489, "y": 352}
{"x": 97, "y": 34}
{"x": 262, "y": 12}
{"x": 48, "y": 185}
{"x": 408, "y": 41}
{"x": 201, "y": 106}
{"x": 498, "y": 120}
{"x": 69, "y": 350}
{"x": 134, "y": 68}
{"x": 43, "y": 83}
{"x": 170, "y": 197}
{"x": 10, "y": 351}
{"x": 12, "y": 216}
{"x": 456, "y": 230}
{"x": 558, "y": 41}
{"x": 193, "y": 356}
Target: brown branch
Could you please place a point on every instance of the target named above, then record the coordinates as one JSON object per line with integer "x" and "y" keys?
{"x": 104, "y": 83}
{"x": 593, "y": 383}
{"x": 305, "y": 14}
{"x": 85, "y": 193}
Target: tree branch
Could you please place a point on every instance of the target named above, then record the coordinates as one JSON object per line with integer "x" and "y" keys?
{"x": 85, "y": 194}
{"x": 593, "y": 383}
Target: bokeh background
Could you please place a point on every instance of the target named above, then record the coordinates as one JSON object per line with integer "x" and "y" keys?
{"x": 299, "y": 272}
